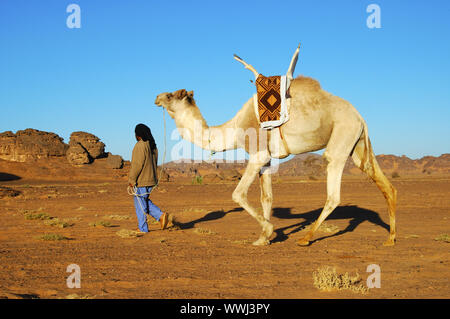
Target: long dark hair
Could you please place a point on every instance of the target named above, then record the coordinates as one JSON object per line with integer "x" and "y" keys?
{"x": 144, "y": 132}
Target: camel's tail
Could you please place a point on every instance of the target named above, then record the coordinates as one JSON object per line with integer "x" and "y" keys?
{"x": 370, "y": 165}
{"x": 368, "y": 157}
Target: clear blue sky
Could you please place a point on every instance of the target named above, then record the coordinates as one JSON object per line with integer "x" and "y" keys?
{"x": 103, "y": 78}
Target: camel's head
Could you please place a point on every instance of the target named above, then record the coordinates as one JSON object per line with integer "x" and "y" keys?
{"x": 175, "y": 101}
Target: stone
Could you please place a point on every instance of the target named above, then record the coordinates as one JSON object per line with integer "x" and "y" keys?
{"x": 77, "y": 155}
{"x": 89, "y": 142}
{"x": 30, "y": 144}
{"x": 114, "y": 161}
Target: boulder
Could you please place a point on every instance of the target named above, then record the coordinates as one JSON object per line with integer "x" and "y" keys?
{"x": 114, "y": 161}
{"x": 89, "y": 142}
{"x": 77, "y": 155}
{"x": 30, "y": 144}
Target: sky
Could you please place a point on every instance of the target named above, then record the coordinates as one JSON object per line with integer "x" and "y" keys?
{"x": 103, "y": 77}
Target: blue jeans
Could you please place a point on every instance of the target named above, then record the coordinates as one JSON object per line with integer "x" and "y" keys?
{"x": 144, "y": 206}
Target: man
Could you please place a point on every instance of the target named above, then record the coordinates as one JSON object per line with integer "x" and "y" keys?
{"x": 142, "y": 178}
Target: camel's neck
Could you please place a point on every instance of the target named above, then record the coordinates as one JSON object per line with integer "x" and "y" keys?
{"x": 193, "y": 127}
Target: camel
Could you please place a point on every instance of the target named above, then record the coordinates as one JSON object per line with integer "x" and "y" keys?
{"x": 317, "y": 120}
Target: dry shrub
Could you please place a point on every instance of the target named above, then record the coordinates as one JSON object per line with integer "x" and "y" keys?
{"x": 326, "y": 279}
{"x": 203, "y": 231}
{"x": 100, "y": 223}
{"x": 39, "y": 216}
{"x": 325, "y": 228}
{"x": 53, "y": 237}
{"x": 443, "y": 237}
{"x": 126, "y": 233}
{"x": 56, "y": 222}
{"x": 117, "y": 217}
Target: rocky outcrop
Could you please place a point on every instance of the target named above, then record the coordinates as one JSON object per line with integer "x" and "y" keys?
{"x": 77, "y": 155}
{"x": 89, "y": 142}
{"x": 30, "y": 144}
{"x": 114, "y": 161}
{"x": 84, "y": 148}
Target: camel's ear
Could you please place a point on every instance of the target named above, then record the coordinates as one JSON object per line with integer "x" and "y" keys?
{"x": 180, "y": 94}
{"x": 190, "y": 96}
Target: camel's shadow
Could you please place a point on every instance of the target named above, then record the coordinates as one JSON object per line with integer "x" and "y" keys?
{"x": 208, "y": 217}
{"x": 356, "y": 214}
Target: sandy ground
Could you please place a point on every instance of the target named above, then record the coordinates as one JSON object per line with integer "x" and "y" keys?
{"x": 210, "y": 254}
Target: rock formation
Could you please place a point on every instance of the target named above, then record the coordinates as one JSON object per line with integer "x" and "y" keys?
{"x": 114, "y": 161}
{"x": 77, "y": 155}
{"x": 89, "y": 142}
{"x": 84, "y": 148}
{"x": 30, "y": 144}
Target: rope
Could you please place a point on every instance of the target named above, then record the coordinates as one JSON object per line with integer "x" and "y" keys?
{"x": 133, "y": 191}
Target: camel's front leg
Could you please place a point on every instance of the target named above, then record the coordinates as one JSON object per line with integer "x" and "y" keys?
{"x": 240, "y": 197}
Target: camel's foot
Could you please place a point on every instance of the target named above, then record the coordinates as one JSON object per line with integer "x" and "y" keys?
{"x": 267, "y": 230}
{"x": 389, "y": 242}
{"x": 303, "y": 242}
{"x": 262, "y": 241}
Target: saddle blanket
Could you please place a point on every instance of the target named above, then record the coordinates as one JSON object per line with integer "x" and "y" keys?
{"x": 270, "y": 101}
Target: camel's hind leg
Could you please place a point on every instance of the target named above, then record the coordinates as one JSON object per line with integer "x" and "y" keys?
{"x": 265, "y": 180}
{"x": 335, "y": 168}
{"x": 338, "y": 150}
{"x": 365, "y": 159}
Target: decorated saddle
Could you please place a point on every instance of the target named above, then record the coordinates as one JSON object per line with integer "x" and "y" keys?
{"x": 271, "y": 100}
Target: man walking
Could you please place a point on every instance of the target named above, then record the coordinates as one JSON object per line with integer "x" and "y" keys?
{"x": 142, "y": 178}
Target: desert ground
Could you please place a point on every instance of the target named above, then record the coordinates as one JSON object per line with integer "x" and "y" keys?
{"x": 52, "y": 219}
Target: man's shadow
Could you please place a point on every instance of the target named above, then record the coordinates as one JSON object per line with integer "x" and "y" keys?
{"x": 356, "y": 214}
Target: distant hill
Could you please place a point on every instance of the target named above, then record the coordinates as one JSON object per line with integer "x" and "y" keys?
{"x": 310, "y": 164}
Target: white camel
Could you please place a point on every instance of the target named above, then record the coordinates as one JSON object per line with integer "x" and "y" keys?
{"x": 317, "y": 120}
